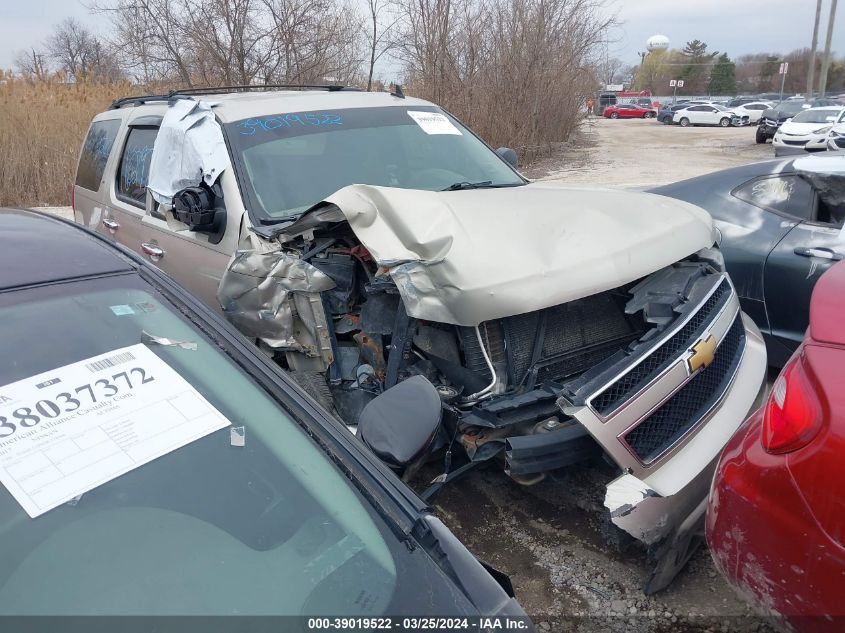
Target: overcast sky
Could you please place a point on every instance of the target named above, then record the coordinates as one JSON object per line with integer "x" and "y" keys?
{"x": 733, "y": 26}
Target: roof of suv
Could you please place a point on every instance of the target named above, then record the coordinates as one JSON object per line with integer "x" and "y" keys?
{"x": 234, "y": 106}
{"x": 38, "y": 249}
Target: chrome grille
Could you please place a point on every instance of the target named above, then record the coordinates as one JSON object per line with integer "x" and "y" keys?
{"x": 683, "y": 411}
{"x": 630, "y": 383}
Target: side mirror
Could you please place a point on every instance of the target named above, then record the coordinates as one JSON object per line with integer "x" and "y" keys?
{"x": 400, "y": 424}
{"x": 199, "y": 208}
{"x": 508, "y": 155}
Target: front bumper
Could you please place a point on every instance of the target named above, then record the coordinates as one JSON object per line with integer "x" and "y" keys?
{"x": 671, "y": 500}
{"x": 785, "y": 144}
{"x": 768, "y": 128}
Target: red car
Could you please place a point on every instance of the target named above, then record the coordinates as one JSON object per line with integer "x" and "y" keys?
{"x": 776, "y": 515}
{"x": 628, "y": 111}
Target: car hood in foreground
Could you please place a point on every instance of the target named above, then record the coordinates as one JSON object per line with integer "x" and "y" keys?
{"x": 464, "y": 257}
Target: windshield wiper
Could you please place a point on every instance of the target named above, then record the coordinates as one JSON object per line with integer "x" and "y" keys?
{"x": 468, "y": 185}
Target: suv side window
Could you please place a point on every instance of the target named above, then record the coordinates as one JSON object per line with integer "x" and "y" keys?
{"x": 133, "y": 173}
{"x": 790, "y": 195}
{"x": 95, "y": 153}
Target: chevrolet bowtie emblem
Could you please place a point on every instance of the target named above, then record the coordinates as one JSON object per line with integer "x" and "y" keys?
{"x": 703, "y": 353}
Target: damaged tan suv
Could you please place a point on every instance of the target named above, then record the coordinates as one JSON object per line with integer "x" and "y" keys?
{"x": 430, "y": 297}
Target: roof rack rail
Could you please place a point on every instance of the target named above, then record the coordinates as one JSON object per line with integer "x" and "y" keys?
{"x": 187, "y": 92}
{"x": 259, "y": 87}
{"x": 138, "y": 100}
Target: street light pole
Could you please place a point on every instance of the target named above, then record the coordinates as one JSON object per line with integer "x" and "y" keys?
{"x": 826, "y": 60}
{"x": 812, "y": 70}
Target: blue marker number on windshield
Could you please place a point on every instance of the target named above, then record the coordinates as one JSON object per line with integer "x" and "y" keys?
{"x": 304, "y": 119}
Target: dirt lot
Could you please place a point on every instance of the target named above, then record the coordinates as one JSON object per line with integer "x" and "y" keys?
{"x": 645, "y": 153}
{"x": 549, "y": 537}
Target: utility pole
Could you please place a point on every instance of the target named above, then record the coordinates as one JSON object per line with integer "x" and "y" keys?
{"x": 826, "y": 60}
{"x": 812, "y": 70}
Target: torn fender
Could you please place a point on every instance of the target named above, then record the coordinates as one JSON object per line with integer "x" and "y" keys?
{"x": 272, "y": 295}
{"x": 463, "y": 257}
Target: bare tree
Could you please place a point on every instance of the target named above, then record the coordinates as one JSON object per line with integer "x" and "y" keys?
{"x": 381, "y": 21}
{"x": 516, "y": 70}
{"x": 79, "y": 54}
{"x": 152, "y": 38}
{"x": 31, "y": 64}
{"x": 315, "y": 40}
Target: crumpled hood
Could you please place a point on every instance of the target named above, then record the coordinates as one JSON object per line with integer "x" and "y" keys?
{"x": 464, "y": 257}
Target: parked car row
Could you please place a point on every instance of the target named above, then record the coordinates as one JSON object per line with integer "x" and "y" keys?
{"x": 812, "y": 130}
{"x": 689, "y": 113}
{"x": 783, "y": 111}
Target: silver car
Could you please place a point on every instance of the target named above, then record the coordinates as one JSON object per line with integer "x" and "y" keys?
{"x": 371, "y": 242}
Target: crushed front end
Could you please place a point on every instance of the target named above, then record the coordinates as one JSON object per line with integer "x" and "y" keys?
{"x": 545, "y": 348}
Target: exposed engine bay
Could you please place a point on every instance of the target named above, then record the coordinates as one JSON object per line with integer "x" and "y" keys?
{"x": 331, "y": 314}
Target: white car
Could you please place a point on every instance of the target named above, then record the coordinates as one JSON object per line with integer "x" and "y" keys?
{"x": 708, "y": 114}
{"x": 753, "y": 110}
{"x": 807, "y": 130}
{"x": 836, "y": 138}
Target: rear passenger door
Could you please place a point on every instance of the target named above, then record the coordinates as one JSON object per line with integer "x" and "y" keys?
{"x": 91, "y": 187}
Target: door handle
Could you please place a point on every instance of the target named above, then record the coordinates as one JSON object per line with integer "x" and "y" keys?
{"x": 819, "y": 251}
{"x": 110, "y": 224}
{"x": 152, "y": 249}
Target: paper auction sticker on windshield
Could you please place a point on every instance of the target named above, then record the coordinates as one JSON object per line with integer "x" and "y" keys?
{"x": 69, "y": 430}
{"x": 433, "y": 122}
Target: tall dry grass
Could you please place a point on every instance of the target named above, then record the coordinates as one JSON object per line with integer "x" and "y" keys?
{"x": 42, "y": 125}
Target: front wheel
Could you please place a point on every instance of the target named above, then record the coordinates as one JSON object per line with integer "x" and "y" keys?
{"x": 614, "y": 115}
{"x": 725, "y": 122}
{"x": 314, "y": 384}
{"x": 684, "y": 122}
{"x": 760, "y": 137}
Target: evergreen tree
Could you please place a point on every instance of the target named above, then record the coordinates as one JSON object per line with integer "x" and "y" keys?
{"x": 723, "y": 77}
{"x": 768, "y": 72}
{"x": 697, "y": 61}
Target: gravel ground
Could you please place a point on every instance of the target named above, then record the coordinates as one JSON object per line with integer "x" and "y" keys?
{"x": 645, "y": 153}
{"x": 550, "y": 537}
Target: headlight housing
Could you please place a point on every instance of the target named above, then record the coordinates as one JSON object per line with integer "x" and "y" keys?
{"x": 823, "y": 130}
{"x": 713, "y": 255}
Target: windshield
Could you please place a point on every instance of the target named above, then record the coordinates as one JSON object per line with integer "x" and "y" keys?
{"x": 790, "y": 107}
{"x": 817, "y": 116}
{"x": 289, "y": 162}
{"x": 253, "y": 522}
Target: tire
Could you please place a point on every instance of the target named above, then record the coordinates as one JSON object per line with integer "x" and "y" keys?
{"x": 684, "y": 122}
{"x": 649, "y": 115}
{"x": 760, "y": 137}
{"x": 724, "y": 122}
{"x": 667, "y": 120}
{"x": 314, "y": 384}
{"x": 614, "y": 115}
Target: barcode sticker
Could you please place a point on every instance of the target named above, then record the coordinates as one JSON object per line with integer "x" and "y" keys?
{"x": 109, "y": 361}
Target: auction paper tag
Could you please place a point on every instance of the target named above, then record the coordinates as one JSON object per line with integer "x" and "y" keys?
{"x": 69, "y": 430}
{"x": 433, "y": 122}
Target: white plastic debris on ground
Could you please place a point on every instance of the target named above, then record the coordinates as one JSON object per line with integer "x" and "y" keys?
{"x": 189, "y": 149}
